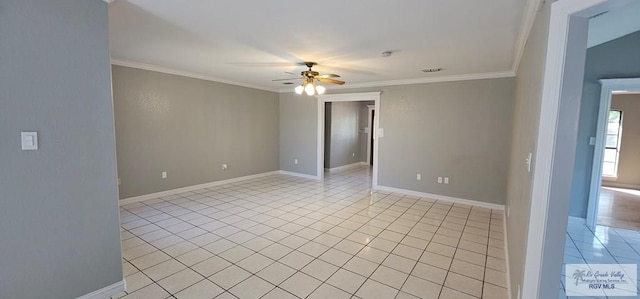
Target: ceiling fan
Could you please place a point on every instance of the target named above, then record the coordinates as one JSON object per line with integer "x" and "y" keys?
{"x": 310, "y": 77}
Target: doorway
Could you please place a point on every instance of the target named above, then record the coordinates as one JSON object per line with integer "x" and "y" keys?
{"x": 560, "y": 90}
{"x": 346, "y": 135}
{"x": 606, "y": 158}
{"x": 375, "y": 131}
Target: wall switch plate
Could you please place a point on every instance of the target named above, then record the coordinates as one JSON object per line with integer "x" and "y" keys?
{"x": 295, "y": 161}
{"x": 29, "y": 141}
{"x": 418, "y": 176}
{"x": 119, "y": 181}
{"x": 439, "y": 180}
{"x": 380, "y": 132}
{"x": 366, "y": 130}
{"x": 446, "y": 180}
{"x": 592, "y": 141}
{"x": 224, "y": 166}
{"x": 528, "y": 162}
{"x": 164, "y": 174}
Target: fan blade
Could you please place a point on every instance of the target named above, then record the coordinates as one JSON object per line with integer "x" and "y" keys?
{"x": 326, "y": 76}
{"x": 289, "y": 79}
{"x": 332, "y": 81}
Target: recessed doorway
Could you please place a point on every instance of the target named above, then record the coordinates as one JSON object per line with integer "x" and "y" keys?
{"x": 609, "y": 166}
{"x": 374, "y": 130}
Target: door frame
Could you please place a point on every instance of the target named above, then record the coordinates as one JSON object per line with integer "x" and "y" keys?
{"x": 608, "y": 88}
{"x": 549, "y": 205}
{"x": 370, "y": 109}
{"x": 348, "y": 97}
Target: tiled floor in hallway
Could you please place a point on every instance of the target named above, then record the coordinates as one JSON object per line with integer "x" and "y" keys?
{"x": 604, "y": 245}
{"x": 287, "y": 237}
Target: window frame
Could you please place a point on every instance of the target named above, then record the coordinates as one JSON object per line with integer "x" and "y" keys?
{"x": 614, "y": 175}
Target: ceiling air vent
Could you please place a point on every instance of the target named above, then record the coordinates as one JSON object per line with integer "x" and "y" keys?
{"x": 432, "y": 70}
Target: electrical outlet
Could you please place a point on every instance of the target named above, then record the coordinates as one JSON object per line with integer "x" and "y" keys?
{"x": 353, "y": 154}
{"x": 164, "y": 174}
{"x": 224, "y": 166}
{"x": 439, "y": 180}
{"x": 418, "y": 176}
{"x": 446, "y": 180}
{"x": 295, "y": 161}
{"x": 119, "y": 181}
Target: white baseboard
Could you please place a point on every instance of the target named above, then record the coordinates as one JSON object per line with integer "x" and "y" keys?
{"x": 506, "y": 253}
{"x": 617, "y": 185}
{"x": 140, "y": 198}
{"x": 443, "y": 198}
{"x": 300, "y": 175}
{"x": 106, "y": 292}
{"x": 346, "y": 167}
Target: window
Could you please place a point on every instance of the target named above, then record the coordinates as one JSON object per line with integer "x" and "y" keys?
{"x": 612, "y": 144}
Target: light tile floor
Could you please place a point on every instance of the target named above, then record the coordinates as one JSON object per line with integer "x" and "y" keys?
{"x": 604, "y": 245}
{"x": 287, "y": 237}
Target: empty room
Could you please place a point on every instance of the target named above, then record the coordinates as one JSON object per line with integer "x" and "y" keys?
{"x": 337, "y": 149}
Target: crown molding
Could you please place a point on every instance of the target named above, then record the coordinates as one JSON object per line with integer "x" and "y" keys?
{"x": 166, "y": 70}
{"x": 531, "y": 9}
{"x": 465, "y": 77}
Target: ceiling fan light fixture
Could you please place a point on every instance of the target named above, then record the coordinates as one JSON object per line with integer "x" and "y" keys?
{"x": 310, "y": 89}
{"x": 312, "y": 79}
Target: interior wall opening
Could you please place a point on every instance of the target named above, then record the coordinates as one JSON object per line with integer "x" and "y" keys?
{"x": 346, "y": 127}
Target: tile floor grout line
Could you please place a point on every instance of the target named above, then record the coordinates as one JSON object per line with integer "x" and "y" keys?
{"x": 423, "y": 250}
{"x": 301, "y": 199}
{"x": 232, "y": 263}
{"x": 398, "y": 243}
{"x": 342, "y": 267}
{"x": 157, "y": 282}
{"x": 453, "y": 257}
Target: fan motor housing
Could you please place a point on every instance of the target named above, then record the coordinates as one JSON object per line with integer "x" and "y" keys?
{"x": 309, "y": 74}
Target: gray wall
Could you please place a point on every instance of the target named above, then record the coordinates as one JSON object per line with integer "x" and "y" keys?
{"x": 618, "y": 58}
{"x": 629, "y": 159}
{"x": 345, "y": 142}
{"x": 59, "y": 226}
{"x": 298, "y": 133}
{"x": 526, "y": 115}
{"x": 455, "y": 129}
{"x": 189, "y": 127}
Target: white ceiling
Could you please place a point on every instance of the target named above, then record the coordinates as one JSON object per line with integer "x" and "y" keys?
{"x": 250, "y": 43}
